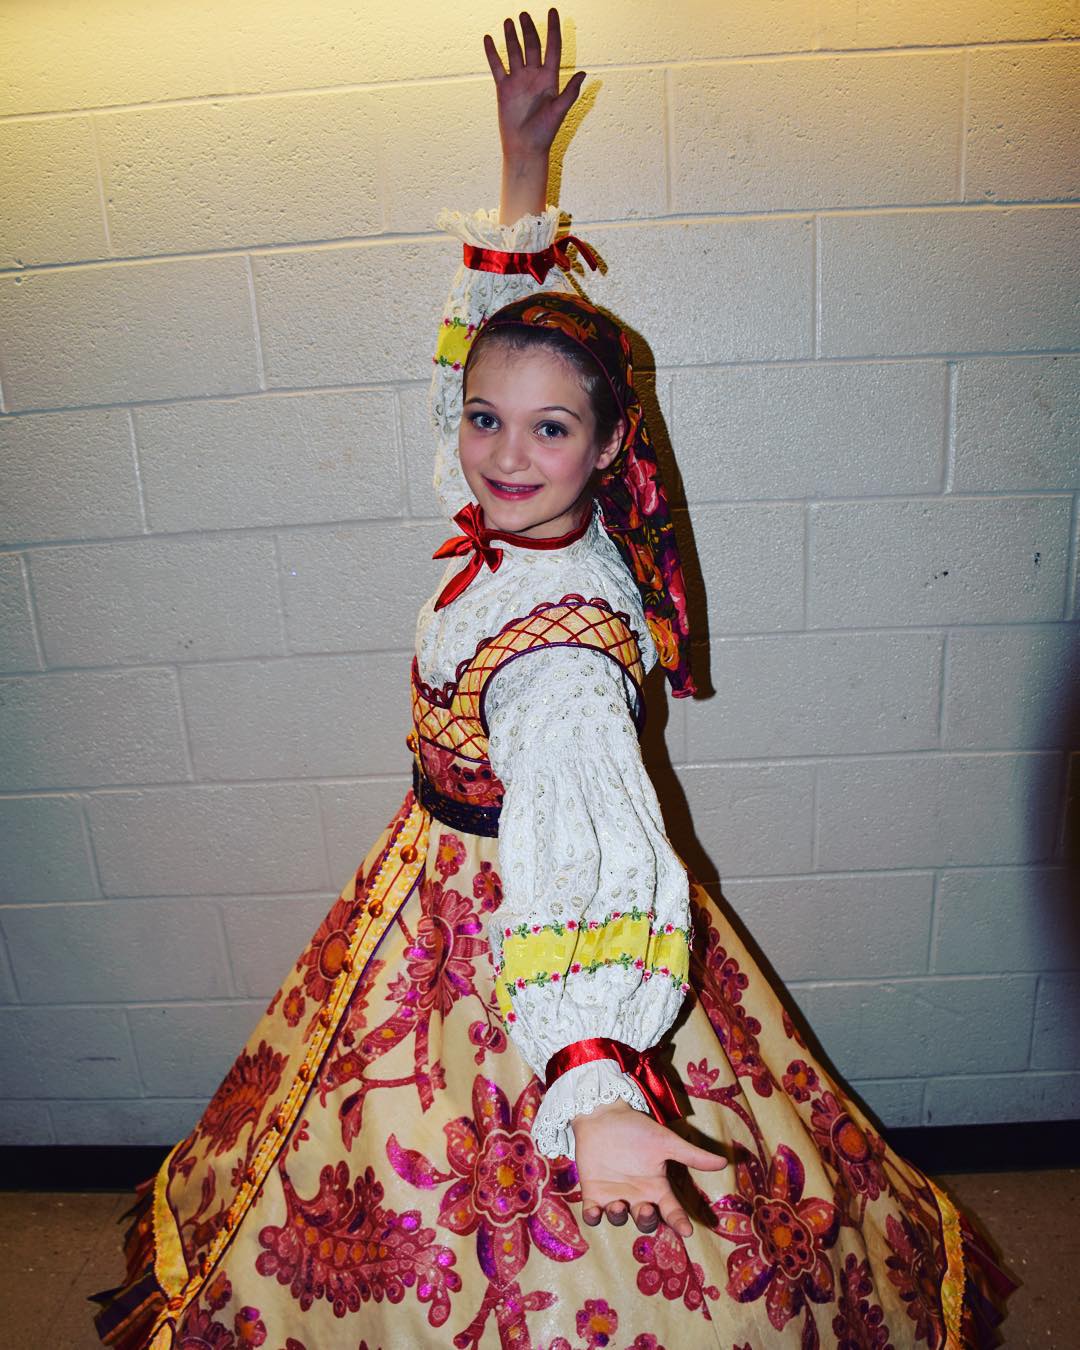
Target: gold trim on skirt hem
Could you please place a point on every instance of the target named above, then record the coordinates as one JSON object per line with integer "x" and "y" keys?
{"x": 401, "y": 869}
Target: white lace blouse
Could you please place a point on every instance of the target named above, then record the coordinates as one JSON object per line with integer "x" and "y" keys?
{"x": 581, "y": 837}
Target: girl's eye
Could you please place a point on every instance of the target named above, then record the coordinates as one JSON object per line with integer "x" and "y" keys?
{"x": 483, "y": 421}
{"x": 552, "y": 430}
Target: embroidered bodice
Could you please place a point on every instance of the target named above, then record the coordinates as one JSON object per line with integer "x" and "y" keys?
{"x": 527, "y": 701}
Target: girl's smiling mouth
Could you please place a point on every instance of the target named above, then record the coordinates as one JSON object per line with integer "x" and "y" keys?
{"x": 509, "y": 490}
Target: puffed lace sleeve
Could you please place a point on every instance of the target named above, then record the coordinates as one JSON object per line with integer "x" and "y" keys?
{"x": 592, "y": 936}
{"x": 474, "y": 294}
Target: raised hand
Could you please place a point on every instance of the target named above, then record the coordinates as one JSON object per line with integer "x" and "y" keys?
{"x": 531, "y": 108}
{"x": 622, "y": 1156}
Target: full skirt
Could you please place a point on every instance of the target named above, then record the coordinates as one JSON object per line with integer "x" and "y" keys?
{"x": 364, "y": 1177}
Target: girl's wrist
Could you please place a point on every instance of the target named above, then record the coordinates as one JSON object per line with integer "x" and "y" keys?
{"x": 598, "y": 1112}
{"x": 524, "y": 186}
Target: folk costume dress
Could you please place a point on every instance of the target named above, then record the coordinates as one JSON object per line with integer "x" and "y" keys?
{"x": 389, "y": 1161}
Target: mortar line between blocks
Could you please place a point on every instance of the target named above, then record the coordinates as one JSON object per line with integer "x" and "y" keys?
{"x": 615, "y": 226}
{"x": 283, "y": 627}
{"x": 965, "y": 112}
{"x": 226, "y": 949}
{"x": 932, "y": 935}
{"x": 815, "y": 286}
{"x": 669, "y": 141}
{"x": 189, "y": 756}
{"x": 8, "y": 965}
{"x": 1034, "y": 1018}
{"x": 256, "y": 326}
{"x": 952, "y": 396}
{"x": 402, "y": 454}
{"x": 82, "y": 800}
{"x": 815, "y": 832}
{"x": 1072, "y": 570}
{"x": 51, "y": 1119}
{"x": 136, "y": 465}
{"x": 480, "y": 77}
{"x": 99, "y": 174}
{"x": 943, "y": 690}
{"x": 125, "y": 1011}
{"x": 32, "y": 610}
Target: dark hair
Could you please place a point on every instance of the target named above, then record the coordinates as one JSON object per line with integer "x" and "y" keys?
{"x": 527, "y": 337}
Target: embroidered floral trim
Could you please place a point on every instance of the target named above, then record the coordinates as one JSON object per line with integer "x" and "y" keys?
{"x": 559, "y": 929}
{"x": 572, "y": 925}
{"x": 624, "y": 959}
{"x": 455, "y": 338}
{"x": 507, "y": 990}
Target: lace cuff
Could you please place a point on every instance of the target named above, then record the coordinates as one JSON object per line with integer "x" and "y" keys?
{"x": 577, "y": 1092}
{"x": 474, "y": 295}
{"x": 530, "y": 234}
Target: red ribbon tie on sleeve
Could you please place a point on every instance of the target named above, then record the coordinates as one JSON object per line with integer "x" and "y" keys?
{"x": 642, "y": 1065}
{"x": 536, "y": 265}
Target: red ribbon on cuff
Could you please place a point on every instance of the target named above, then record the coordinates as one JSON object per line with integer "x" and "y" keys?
{"x": 537, "y": 265}
{"x": 642, "y": 1066}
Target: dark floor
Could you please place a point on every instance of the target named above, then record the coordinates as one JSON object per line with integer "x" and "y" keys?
{"x": 56, "y": 1248}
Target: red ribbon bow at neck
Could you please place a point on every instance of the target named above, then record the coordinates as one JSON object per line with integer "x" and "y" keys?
{"x": 477, "y": 540}
{"x": 641, "y": 1065}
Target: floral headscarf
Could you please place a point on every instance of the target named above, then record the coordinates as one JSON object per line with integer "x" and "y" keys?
{"x": 633, "y": 502}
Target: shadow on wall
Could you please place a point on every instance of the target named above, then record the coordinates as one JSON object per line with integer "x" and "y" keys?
{"x": 1057, "y": 907}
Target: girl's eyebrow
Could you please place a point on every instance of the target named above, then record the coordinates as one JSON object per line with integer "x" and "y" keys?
{"x": 548, "y": 407}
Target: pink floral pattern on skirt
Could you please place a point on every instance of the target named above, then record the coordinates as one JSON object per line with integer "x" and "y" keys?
{"x": 407, "y": 1205}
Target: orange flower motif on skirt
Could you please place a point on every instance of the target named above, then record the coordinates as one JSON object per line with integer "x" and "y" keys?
{"x": 293, "y": 1007}
{"x": 241, "y": 1097}
{"x": 448, "y": 938}
{"x": 780, "y": 1238}
{"x": 502, "y": 1190}
{"x": 800, "y": 1080}
{"x": 327, "y": 950}
{"x": 855, "y": 1153}
{"x": 915, "y": 1272}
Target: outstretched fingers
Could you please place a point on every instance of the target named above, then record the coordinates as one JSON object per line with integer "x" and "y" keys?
{"x": 646, "y": 1216}
{"x": 494, "y": 60}
{"x": 566, "y": 99}
{"x": 514, "y": 58}
{"x": 693, "y": 1156}
{"x": 531, "y": 39}
{"x": 553, "y": 50}
{"x": 674, "y": 1215}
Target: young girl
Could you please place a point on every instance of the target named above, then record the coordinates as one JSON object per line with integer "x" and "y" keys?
{"x": 463, "y": 1076}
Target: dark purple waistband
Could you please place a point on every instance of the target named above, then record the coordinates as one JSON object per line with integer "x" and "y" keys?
{"x": 483, "y": 820}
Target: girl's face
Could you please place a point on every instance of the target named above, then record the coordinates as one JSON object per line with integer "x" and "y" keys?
{"x": 527, "y": 442}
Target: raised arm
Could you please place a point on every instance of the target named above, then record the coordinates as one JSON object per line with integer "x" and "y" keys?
{"x": 531, "y": 109}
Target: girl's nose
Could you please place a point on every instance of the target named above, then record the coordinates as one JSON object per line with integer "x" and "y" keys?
{"x": 510, "y": 453}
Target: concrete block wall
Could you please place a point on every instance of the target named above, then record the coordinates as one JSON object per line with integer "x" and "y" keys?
{"x": 846, "y": 235}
